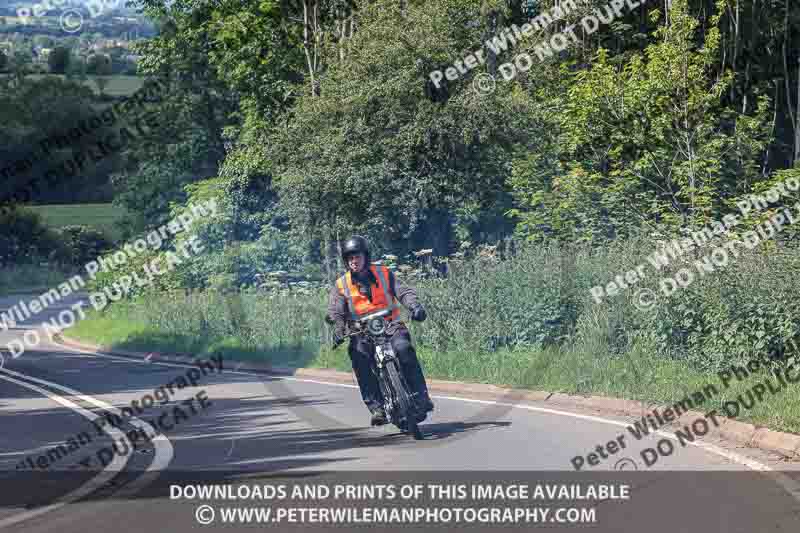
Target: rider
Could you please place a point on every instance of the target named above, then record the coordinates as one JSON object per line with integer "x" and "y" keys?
{"x": 363, "y": 290}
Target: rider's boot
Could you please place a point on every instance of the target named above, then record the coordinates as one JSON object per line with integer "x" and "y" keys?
{"x": 425, "y": 400}
{"x": 378, "y": 417}
{"x": 427, "y": 406}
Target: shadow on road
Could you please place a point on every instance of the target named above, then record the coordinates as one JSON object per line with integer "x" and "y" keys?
{"x": 440, "y": 432}
{"x": 247, "y": 432}
{"x": 242, "y": 437}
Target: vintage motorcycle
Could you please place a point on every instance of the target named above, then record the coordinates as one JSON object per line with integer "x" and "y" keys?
{"x": 403, "y": 409}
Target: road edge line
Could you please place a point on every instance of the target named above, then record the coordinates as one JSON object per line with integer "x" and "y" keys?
{"x": 785, "y": 444}
{"x": 108, "y": 473}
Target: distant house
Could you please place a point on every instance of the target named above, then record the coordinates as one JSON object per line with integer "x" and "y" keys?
{"x": 104, "y": 44}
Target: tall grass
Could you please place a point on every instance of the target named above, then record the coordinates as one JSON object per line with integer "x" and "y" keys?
{"x": 280, "y": 328}
{"x": 539, "y": 299}
{"x": 526, "y": 321}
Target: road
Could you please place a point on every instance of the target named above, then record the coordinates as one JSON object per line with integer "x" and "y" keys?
{"x": 249, "y": 429}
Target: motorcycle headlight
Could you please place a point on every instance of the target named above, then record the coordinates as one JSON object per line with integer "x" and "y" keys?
{"x": 376, "y": 326}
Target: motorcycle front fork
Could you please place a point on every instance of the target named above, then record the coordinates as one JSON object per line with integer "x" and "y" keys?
{"x": 383, "y": 355}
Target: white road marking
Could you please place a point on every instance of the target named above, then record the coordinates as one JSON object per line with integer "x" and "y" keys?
{"x": 789, "y": 484}
{"x": 111, "y": 470}
{"x": 163, "y": 447}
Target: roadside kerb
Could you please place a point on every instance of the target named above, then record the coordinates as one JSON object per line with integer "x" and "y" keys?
{"x": 738, "y": 431}
{"x": 785, "y": 444}
{"x": 734, "y": 433}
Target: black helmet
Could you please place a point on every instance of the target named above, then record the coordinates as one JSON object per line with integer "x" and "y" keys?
{"x": 354, "y": 245}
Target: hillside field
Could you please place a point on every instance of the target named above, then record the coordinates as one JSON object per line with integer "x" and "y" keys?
{"x": 99, "y": 216}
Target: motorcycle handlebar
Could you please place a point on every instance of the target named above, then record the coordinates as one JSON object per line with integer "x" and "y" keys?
{"x": 361, "y": 324}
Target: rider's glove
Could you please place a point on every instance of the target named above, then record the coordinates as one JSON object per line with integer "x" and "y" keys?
{"x": 338, "y": 339}
{"x": 418, "y": 314}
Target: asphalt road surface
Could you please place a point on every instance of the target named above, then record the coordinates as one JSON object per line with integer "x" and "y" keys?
{"x": 223, "y": 427}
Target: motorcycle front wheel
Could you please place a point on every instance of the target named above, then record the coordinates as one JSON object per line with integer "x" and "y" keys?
{"x": 403, "y": 401}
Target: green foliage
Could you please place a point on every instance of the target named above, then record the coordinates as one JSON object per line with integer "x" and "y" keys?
{"x": 485, "y": 304}
{"x": 98, "y": 65}
{"x": 373, "y": 152}
{"x": 282, "y": 329}
{"x": 648, "y": 142}
{"x": 79, "y": 245}
{"x": 24, "y": 238}
{"x": 39, "y": 108}
{"x": 58, "y": 60}
{"x": 536, "y": 300}
{"x": 758, "y": 215}
{"x": 309, "y": 129}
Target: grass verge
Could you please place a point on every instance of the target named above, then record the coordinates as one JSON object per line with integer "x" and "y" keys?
{"x": 249, "y": 328}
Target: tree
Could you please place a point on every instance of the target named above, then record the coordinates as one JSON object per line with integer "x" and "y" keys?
{"x": 649, "y": 142}
{"x": 20, "y": 64}
{"x": 77, "y": 68}
{"x": 40, "y": 109}
{"x": 370, "y": 151}
{"x": 43, "y": 41}
{"x": 99, "y": 66}
{"x": 58, "y": 60}
{"x": 318, "y": 117}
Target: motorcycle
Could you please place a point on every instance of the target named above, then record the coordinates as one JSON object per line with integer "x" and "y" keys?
{"x": 403, "y": 409}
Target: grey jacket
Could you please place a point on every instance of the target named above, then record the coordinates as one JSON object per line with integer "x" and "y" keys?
{"x": 340, "y": 313}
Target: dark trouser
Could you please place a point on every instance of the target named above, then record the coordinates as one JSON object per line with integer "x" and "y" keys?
{"x": 362, "y": 354}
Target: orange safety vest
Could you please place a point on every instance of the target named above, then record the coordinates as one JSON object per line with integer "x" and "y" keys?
{"x": 359, "y": 304}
